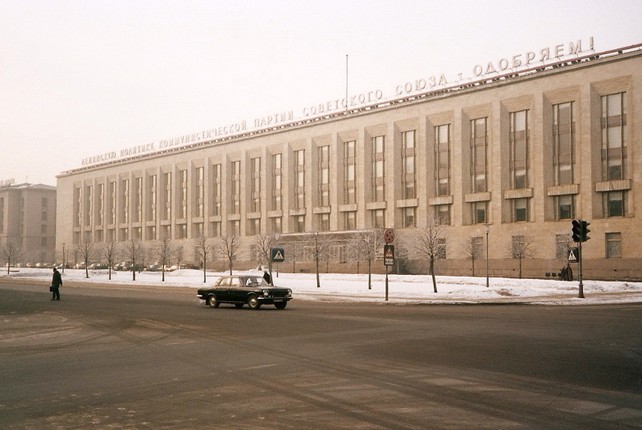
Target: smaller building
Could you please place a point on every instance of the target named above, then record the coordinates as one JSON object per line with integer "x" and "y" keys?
{"x": 28, "y": 223}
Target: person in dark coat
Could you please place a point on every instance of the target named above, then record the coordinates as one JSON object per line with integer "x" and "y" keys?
{"x": 56, "y": 283}
{"x": 267, "y": 277}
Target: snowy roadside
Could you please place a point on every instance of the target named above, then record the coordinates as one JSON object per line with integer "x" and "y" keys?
{"x": 408, "y": 289}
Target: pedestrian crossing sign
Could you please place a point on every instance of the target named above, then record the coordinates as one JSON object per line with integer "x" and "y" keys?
{"x": 277, "y": 254}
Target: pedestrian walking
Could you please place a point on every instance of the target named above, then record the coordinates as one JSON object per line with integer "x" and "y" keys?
{"x": 267, "y": 277}
{"x": 56, "y": 283}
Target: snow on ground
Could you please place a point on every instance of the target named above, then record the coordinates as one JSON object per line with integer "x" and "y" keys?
{"x": 401, "y": 288}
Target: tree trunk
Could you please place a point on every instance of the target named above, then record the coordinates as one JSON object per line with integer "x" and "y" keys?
{"x": 432, "y": 274}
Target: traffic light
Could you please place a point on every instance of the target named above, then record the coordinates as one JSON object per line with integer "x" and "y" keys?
{"x": 577, "y": 230}
{"x": 584, "y": 231}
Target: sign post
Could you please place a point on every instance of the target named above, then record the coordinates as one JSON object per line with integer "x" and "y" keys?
{"x": 388, "y": 253}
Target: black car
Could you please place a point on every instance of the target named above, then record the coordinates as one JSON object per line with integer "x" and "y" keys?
{"x": 241, "y": 289}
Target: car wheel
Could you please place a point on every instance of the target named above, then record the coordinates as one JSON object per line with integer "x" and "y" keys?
{"x": 212, "y": 302}
{"x": 238, "y": 305}
{"x": 280, "y": 305}
{"x": 253, "y": 302}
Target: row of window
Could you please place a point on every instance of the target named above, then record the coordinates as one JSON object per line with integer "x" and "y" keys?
{"x": 158, "y": 198}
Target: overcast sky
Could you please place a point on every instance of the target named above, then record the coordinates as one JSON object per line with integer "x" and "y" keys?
{"x": 82, "y": 78}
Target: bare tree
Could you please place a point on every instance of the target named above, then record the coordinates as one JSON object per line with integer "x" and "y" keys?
{"x": 110, "y": 252}
{"x": 353, "y": 249}
{"x": 473, "y": 249}
{"x": 10, "y": 252}
{"x": 229, "y": 247}
{"x": 318, "y": 247}
{"x": 163, "y": 251}
{"x": 202, "y": 249}
{"x": 133, "y": 252}
{"x": 521, "y": 247}
{"x": 431, "y": 245}
{"x": 369, "y": 242}
{"x": 86, "y": 251}
{"x": 264, "y": 244}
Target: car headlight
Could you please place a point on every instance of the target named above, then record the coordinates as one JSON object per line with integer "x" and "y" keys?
{"x": 266, "y": 293}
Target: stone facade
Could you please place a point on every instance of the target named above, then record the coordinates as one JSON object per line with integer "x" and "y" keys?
{"x": 509, "y": 160}
{"x": 28, "y": 223}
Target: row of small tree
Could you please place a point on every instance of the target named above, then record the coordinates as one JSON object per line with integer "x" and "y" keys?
{"x": 429, "y": 244}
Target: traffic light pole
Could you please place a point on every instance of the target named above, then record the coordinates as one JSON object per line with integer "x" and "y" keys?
{"x": 581, "y": 293}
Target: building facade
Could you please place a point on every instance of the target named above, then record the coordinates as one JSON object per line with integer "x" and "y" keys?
{"x": 28, "y": 223}
{"x": 496, "y": 163}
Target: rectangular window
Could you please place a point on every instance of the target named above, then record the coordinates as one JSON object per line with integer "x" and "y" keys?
{"x": 520, "y": 210}
{"x": 441, "y": 248}
{"x": 378, "y": 218}
{"x": 112, "y": 202}
{"x": 409, "y": 217}
{"x": 478, "y": 150}
{"x": 235, "y": 195}
{"x": 299, "y": 179}
{"x": 276, "y": 182}
{"x": 324, "y": 222}
{"x": 408, "y": 164}
{"x": 350, "y": 220}
{"x": 200, "y": 192}
{"x": 89, "y": 205}
{"x": 256, "y": 185}
{"x": 234, "y": 227}
{"x": 124, "y": 198}
{"x": 152, "y": 200}
{"x": 77, "y": 207}
{"x": 100, "y": 205}
{"x": 518, "y": 138}
{"x": 275, "y": 225}
{"x": 613, "y": 245}
{"x": 613, "y": 136}
{"x": 564, "y": 142}
{"x": 215, "y": 229}
{"x": 562, "y": 246}
{"x": 254, "y": 226}
{"x": 298, "y": 224}
{"x": 378, "y": 169}
{"x": 565, "y": 207}
{"x": 182, "y": 197}
{"x": 442, "y": 160}
{"x": 613, "y": 203}
{"x": 181, "y": 231}
{"x": 324, "y": 176}
{"x": 151, "y": 233}
{"x": 138, "y": 199}
{"x": 442, "y": 214}
{"x": 349, "y": 166}
{"x": 167, "y": 180}
{"x": 479, "y": 212}
{"x": 216, "y": 191}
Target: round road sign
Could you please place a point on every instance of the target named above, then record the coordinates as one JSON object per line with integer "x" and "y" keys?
{"x": 389, "y": 235}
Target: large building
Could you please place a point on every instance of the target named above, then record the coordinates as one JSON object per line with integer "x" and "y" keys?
{"x": 503, "y": 161}
{"x": 27, "y": 223}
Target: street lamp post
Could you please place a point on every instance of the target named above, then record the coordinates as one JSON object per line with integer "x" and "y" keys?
{"x": 487, "y": 228}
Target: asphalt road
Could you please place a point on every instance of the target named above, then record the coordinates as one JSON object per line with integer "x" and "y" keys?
{"x": 143, "y": 357}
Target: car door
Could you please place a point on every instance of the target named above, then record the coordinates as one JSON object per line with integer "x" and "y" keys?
{"x": 222, "y": 290}
{"x": 236, "y": 292}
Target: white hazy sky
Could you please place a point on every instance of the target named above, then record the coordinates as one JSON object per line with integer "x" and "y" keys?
{"x": 84, "y": 77}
